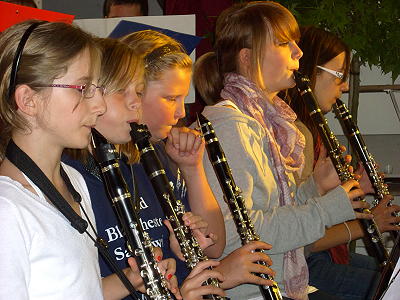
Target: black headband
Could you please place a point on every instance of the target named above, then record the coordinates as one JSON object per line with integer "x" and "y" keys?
{"x": 17, "y": 58}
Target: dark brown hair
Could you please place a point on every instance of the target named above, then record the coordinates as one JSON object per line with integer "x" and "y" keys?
{"x": 144, "y": 5}
{"x": 319, "y": 47}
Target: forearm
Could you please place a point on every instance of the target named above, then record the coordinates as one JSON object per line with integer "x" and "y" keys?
{"x": 114, "y": 289}
{"x": 203, "y": 203}
{"x": 337, "y": 235}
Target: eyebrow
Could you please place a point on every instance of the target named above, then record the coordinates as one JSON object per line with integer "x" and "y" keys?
{"x": 85, "y": 78}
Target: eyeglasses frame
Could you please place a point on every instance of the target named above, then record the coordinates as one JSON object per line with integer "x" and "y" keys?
{"x": 81, "y": 88}
{"x": 335, "y": 73}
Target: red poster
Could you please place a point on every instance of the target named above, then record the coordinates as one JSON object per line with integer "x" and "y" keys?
{"x": 12, "y": 14}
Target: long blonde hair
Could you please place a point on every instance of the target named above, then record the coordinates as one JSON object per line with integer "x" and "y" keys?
{"x": 120, "y": 66}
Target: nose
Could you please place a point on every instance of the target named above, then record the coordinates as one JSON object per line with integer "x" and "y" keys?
{"x": 344, "y": 86}
{"x": 132, "y": 99}
{"x": 134, "y": 104}
{"x": 99, "y": 105}
{"x": 296, "y": 51}
{"x": 180, "y": 109}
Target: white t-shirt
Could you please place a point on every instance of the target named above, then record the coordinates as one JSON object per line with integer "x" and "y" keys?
{"x": 41, "y": 255}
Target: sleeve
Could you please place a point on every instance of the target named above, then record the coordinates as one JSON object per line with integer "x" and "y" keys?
{"x": 308, "y": 154}
{"x": 14, "y": 253}
{"x": 286, "y": 227}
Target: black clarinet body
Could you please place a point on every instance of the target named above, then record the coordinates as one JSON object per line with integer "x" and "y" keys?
{"x": 332, "y": 145}
{"x": 356, "y": 140}
{"x": 233, "y": 198}
{"x": 139, "y": 243}
{"x": 172, "y": 208}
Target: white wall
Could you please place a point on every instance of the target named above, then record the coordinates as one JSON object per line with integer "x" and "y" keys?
{"x": 376, "y": 114}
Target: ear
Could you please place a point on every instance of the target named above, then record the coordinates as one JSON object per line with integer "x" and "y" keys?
{"x": 25, "y": 99}
{"x": 245, "y": 57}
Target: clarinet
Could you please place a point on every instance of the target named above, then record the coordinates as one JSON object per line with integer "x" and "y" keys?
{"x": 234, "y": 200}
{"x": 356, "y": 140}
{"x": 172, "y": 208}
{"x": 139, "y": 243}
{"x": 341, "y": 166}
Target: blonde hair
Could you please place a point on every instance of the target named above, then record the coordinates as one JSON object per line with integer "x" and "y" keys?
{"x": 120, "y": 66}
{"x": 46, "y": 56}
{"x": 246, "y": 25}
{"x": 148, "y": 43}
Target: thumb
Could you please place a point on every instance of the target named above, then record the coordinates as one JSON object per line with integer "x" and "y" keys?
{"x": 169, "y": 226}
{"x": 133, "y": 264}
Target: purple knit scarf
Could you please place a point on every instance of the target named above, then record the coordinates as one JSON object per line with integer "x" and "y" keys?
{"x": 287, "y": 144}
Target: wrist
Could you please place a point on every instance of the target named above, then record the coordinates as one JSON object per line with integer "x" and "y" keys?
{"x": 189, "y": 172}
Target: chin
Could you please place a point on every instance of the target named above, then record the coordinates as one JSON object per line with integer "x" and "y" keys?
{"x": 79, "y": 144}
{"x": 290, "y": 84}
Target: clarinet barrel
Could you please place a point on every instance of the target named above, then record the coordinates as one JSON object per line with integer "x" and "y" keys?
{"x": 172, "y": 208}
{"x": 332, "y": 145}
{"x": 233, "y": 198}
{"x": 139, "y": 243}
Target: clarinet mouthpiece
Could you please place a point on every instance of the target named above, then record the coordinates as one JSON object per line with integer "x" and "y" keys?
{"x": 139, "y": 132}
{"x": 103, "y": 151}
{"x": 302, "y": 81}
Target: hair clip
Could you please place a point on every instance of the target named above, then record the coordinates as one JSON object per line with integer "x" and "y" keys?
{"x": 160, "y": 52}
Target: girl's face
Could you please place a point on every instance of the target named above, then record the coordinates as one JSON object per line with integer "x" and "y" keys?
{"x": 163, "y": 101}
{"x": 122, "y": 109}
{"x": 67, "y": 118}
{"x": 280, "y": 60}
{"x": 328, "y": 88}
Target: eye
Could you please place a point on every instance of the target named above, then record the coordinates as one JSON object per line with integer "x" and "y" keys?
{"x": 172, "y": 99}
{"x": 283, "y": 44}
{"x": 119, "y": 91}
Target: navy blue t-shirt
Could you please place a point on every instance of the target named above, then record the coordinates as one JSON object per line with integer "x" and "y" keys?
{"x": 151, "y": 214}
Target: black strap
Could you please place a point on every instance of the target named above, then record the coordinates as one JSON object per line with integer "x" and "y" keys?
{"x": 25, "y": 164}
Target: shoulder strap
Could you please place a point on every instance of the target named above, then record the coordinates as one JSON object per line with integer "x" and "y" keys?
{"x": 25, "y": 164}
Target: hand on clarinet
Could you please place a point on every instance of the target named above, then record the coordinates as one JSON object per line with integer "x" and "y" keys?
{"x": 185, "y": 147}
{"x": 383, "y": 214}
{"x": 240, "y": 265}
{"x": 361, "y": 175}
{"x": 352, "y": 188}
{"x": 324, "y": 174}
{"x": 199, "y": 229}
{"x": 192, "y": 288}
{"x": 167, "y": 268}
